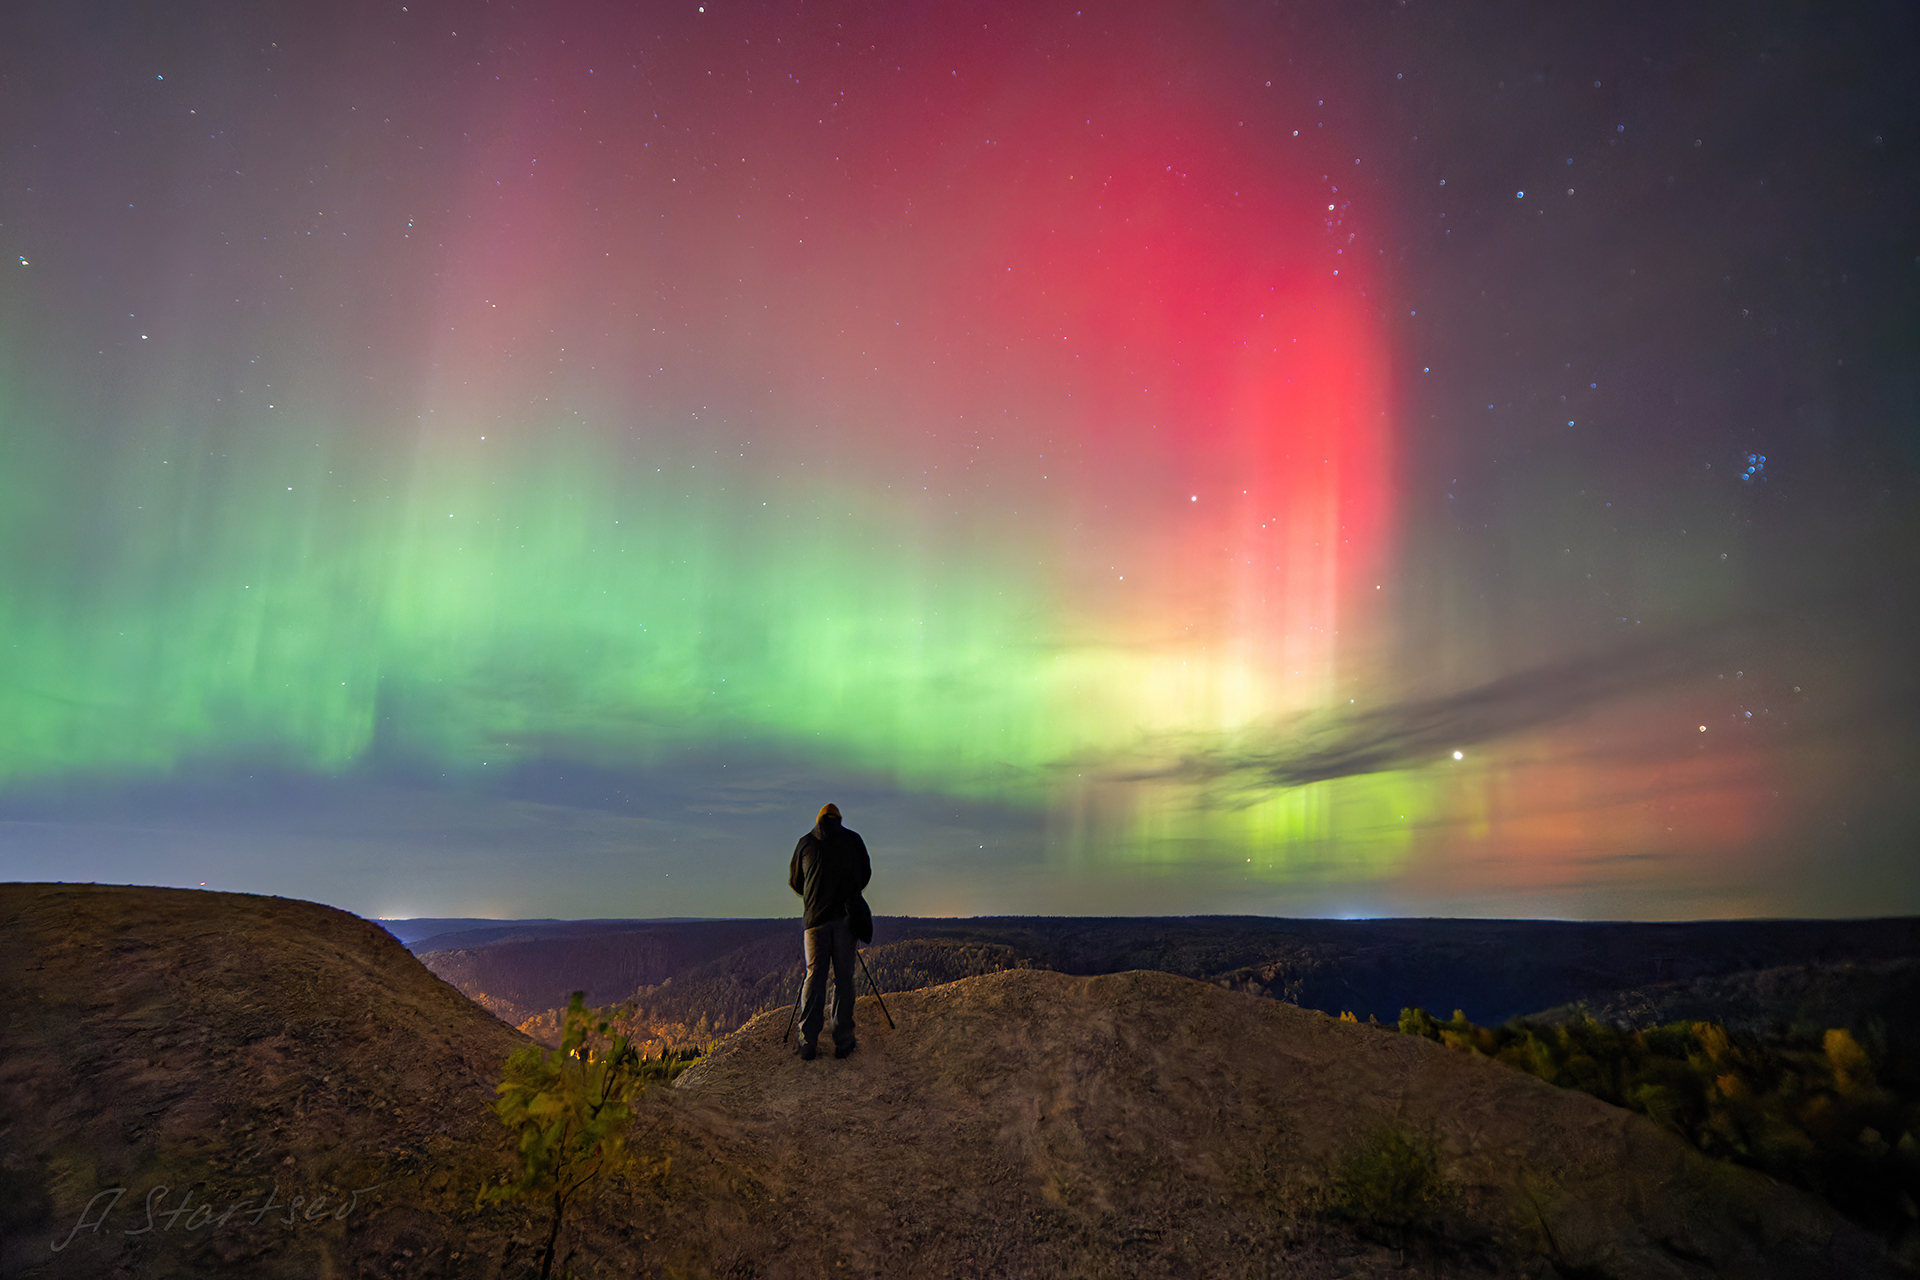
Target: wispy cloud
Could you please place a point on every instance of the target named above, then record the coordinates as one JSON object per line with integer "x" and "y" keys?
{"x": 1321, "y": 746}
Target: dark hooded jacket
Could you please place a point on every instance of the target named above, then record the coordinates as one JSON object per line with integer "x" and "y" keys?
{"x": 830, "y": 867}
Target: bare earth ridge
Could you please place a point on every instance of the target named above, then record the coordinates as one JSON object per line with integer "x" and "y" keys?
{"x": 323, "y": 1098}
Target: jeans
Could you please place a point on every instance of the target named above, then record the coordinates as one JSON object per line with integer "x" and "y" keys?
{"x": 830, "y": 943}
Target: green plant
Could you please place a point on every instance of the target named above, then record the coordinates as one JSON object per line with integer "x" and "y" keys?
{"x": 1391, "y": 1187}
{"x": 571, "y": 1107}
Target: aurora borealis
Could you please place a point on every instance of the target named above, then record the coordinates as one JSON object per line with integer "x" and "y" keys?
{"x": 478, "y": 459}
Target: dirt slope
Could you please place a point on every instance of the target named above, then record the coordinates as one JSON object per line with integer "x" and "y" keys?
{"x": 231, "y": 1050}
{"x": 1036, "y": 1124}
{"x": 256, "y": 1051}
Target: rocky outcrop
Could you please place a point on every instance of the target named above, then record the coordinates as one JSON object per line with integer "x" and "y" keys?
{"x": 1033, "y": 1123}
{"x": 221, "y": 1084}
{"x": 214, "y": 1084}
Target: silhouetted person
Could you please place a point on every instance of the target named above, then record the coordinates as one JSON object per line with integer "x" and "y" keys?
{"x": 830, "y": 867}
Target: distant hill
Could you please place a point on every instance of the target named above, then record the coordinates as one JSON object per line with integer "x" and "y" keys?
{"x": 428, "y": 934}
{"x": 412, "y": 931}
{"x": 723, "y": 972}
{"x": 519, "y": 974}
{"x": 213, "y": 1084}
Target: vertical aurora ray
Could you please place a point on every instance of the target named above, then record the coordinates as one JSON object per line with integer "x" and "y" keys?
{"x": 1089, "y": 451}
{"x": 170, "y": 599}
{"x": 972, "y": 445}
{"x": 1164, "y": 435}
{"x": 685, "y": 613}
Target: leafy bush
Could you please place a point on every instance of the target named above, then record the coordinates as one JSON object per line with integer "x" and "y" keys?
{"x": 571, "y": 1107}
{"x": 1391, "y": 1187}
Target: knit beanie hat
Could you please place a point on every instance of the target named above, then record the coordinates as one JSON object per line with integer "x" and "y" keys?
{"x": 826, "y": 809}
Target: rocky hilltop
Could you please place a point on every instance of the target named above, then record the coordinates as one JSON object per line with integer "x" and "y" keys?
{"x": 284, "y": 1073}
{"x": 1031, "y": 1123}
{"x": 214, "y": 1084}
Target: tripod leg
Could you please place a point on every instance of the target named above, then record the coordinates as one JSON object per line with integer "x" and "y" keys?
{"x": 795, "y": 1011}
{"x": 873, "y": 987}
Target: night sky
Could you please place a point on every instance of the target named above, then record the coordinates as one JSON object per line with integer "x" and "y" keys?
{"x": 520, "y": 460}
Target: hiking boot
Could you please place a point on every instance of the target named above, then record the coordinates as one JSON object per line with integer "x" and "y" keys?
{"x": 842, "y": 1050}
{"x": 806, "y": 1053}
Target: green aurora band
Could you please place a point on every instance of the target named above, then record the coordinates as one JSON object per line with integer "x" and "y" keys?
{"x": 276, "y": 596}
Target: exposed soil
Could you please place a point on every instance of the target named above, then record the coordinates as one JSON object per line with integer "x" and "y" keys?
{"x": 1036, "y": 1124}
{"x": 220, "y": 1050}
{"x": 1023, "y": 1124}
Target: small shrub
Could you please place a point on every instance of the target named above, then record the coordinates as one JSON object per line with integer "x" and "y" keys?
{"x": 1418, "y": 1022}
{"x": 1391, "y": 1188}
{"x": 571, "y": 1107}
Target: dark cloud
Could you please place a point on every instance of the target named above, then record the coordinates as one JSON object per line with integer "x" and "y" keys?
{"x": 1405, "y": 734}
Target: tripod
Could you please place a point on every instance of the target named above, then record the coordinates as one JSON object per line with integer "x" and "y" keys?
{"x": 802, "y": 993}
